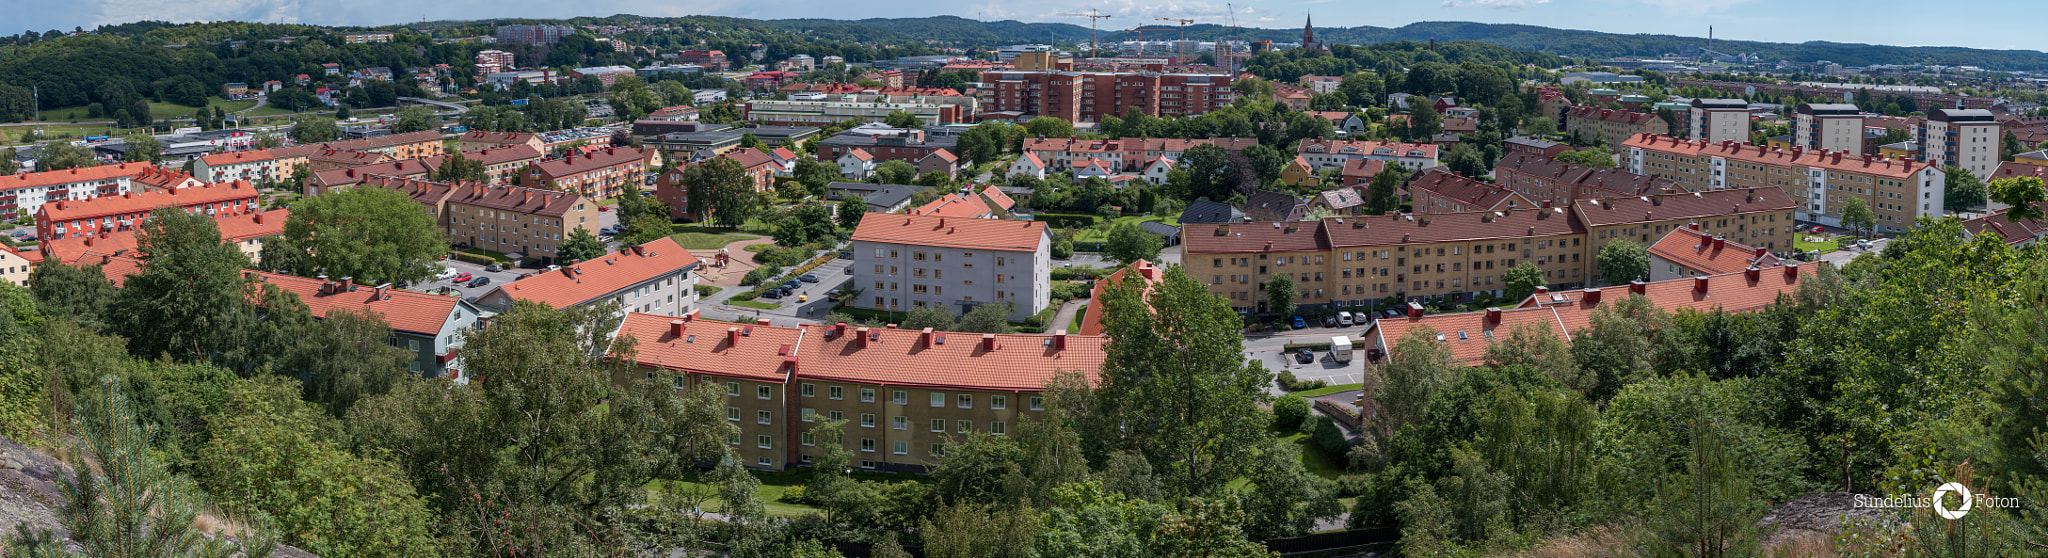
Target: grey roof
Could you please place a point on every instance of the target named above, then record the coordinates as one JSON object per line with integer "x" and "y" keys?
{"x": 1205, "y": 211}
{"x": 1533, "y": 142}
{"x": 1961, "y": 115}
{"x": 1272, "y": 206}
{"x": 1829, "y": 109}
{"x": 1908, "y": 145}
{"x": 1161, "y": 229}
{"x": 1720, "y": 103}
{"x": 876, "y": 195}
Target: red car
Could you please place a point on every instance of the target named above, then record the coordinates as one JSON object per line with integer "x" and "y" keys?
{"x": 1817, "y": 229}
{"x": 604, "y": 208}
{"x": 462, "y": 278}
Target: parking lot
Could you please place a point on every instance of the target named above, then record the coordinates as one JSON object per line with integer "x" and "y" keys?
{"x": 469, "y": 289}
{"x": 815, "y": 304}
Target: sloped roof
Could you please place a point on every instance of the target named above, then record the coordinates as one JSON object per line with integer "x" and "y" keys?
{"x": 252, "y": 156}
{"x": 609, "y": 157}
{"x": 1205, "y": 211}
{"x": 1362, "y": 148}
{"x": 1265, "y": 205}
{"x": 898, "y": 357}
{"x": 404, "y": 310}
{"x": 146, "y": 201}
{"x": 233, "y": 228}
{"x": 991, "y": 234}
{"x": 1479, "y": 195}
{"x": 954, "y": 205}
{"x": 1091, "y": 316}
{"x": 1700, "y": 253}
{"x": 2013, "y": 232}
{"x": 1797, "y": 156}
{"x": 1341, "y": 198}
{"x": 707, "y": 347}
{"x": 997, "y": 196}
{"x": 67, "y": 176}
{"x": 1684, "y": 205}
{"x": 591, "y": 280}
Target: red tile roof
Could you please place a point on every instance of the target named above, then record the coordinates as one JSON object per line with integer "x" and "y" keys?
{"x": 861, "y": 154}
{"x": 1132, "y": 145}
{"x": 1366, "y": 147}
{"x": 943, "y": 155}
{"x": 116, "y": 268}
{"x": 587, "y": 281}
{"x": 2020, "y": 232}
{"x": 609, "y": 157}
{"x": 898, "y": 357}
{"x": 1700, "y": 253}
{"x": 255, "y": 156}
{"x": 954, "y": 205}
{"x": 707, "y": 347}
{"x": 1798, "y": 156}
{"x": 1334, "y": 116}
{"x": 346, "y": 157}
{"x": 492, "y": 156}
{"x": 750, "y": 158}
{"x": 412, "y": 168}
{"x": 1466, "y": 333}
{"x": 1683, "y": 205}
{"x": 989, "y": 234}
{"x": 996, "y": 195}
{"x": 233, "y": 229}
{"x": 1091, "y": 317}
{"x": 1479, "y": 195}
{"x": 164, "y": 179}
{"x": 405, "y": 310}
{"x": 67, "y": 176}
{"x": 2010, "y": 169}
{"x": 144, "y": 202}
{"x": 480, "y": 136}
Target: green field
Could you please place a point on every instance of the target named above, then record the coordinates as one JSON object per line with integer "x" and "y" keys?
{"x": 773, "y": 486}
{"x": 753, "y": 304}
{"x": 1822, "y": 247}
{"x": 699, "y": 237}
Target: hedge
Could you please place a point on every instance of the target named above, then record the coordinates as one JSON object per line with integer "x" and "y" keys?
{"x": 1066, "y": 220}
{"x": 480, "y": 259}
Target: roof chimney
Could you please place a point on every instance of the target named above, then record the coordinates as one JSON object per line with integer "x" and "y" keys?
{"x": 1753, "y": 273}
{"x": 676, "y": 328}
{"x": 1792, "y": 270}
{"x": 762, "y": 322}
{"x": 1695, "y": 225}
{"x": 1720, "y": 242}
{"x": 863, "y": 333}
{"x": 1542, "y": 289}
{"x": 1699, "y": 284}
{"x": 732, "y": 336}
{"x": 924, "y": 338}
{"x": 1493, "y": 315}
{"x": 259, "y": 218}
{"x": 839, "y": 329}
{"x": 1761, "y": 252}
{"x": 988, "y": 342}
{"x": 348, "y": 284}
{"x": 892, "y": 326}
{"x": 1414, "y": 309}
{"x": 1059, "y": 340}
{"x": 1639, "y": 287}
{"x": 1592, "y": 296}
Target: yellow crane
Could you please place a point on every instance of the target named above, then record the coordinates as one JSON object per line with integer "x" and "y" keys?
{"x": 1140, "y": 30}
{"x": 1182, "y": 46}
{"x": 1092, "y": 15}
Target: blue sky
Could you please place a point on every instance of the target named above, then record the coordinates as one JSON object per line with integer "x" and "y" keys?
{"x": 1972, "y": 23}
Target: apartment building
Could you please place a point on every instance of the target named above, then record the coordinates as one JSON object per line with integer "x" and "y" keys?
{"x": 24, "y": 194}
{"x": 14, "y": 266}
{"x": 409, "y": 145}
{"x": 1089, "y": 96}
{"x": 331, "y": 159}
{"x": 1128, "y": 154}
{"x": 1544, "y": 180}
{"x": 1441, "y": 191}
{"x": 1822, "y": 182}
{"x": 903, "y": 394}
{"x": 157, "y": 178}
{"x": 246, "y": 231}
{"x": 533, "y": 34}
{"x": 430, "y": 326}
{"x": 653, "y": 277}
{"x": 714, "y": 60}
{"x": 1717, "y": 120}
{"x": 1829, "y": 126}
{"x": 492, "y": 61}
{"x": 255, "y": 165}
{"x": 819, "y": 109}
{"x": 501, "y": 164}
{"x": 1611, "y": 126}
{"x": 68, "y": 218}
{"x": 356, "y": 37}
{"x": 1334, "y": 154}
{"x": 1966, "y": 138}
{"x": 1532, "y": 146}
{"x": 1761, "y": 217}
{"x": 909, "y": 261}
{"x": 1687, "y": 252}
{"x": 607, "y": 75}
{"x": 506, "y": 219}
{"x": 479, "y": 140}
{"x": 1563, "y": 313}
{"x": 598, "y": 174}
{"x": 883, "y": 143}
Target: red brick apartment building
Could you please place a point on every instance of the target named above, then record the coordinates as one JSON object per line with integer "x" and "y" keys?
{"x": 1089, "y": 96}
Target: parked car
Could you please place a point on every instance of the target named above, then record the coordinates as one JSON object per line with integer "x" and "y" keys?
{"x": 480, "y": 281}
{"x": 771, "y": 293}
{"x": 604, "y": 208}
{"x": 1330, "y": 321}
{"x": 1863, "y": 245}
{"x": 1344, "y": 318}
{"x": 494, "y": 268}
{"x": 1817, "y": 229}
{"x": 1300, "y": 323}
{"x": 1304, "y": 356}
{"x": 462, "y": 277}
{"x": 792, "y": 284}
{"x": 552, "y": 268}
{"x": 445, "y": 273}
{"x": 808, "y": 278}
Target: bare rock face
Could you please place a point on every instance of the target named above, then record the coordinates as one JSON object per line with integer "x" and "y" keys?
{"x": 1818, "y": 514}
{"x": 28, "y": 493}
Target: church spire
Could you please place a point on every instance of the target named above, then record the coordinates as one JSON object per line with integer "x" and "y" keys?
{"x": 1308, "y": 31}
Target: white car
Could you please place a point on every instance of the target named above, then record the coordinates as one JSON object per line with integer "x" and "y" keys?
{"x": 445, "y": 273}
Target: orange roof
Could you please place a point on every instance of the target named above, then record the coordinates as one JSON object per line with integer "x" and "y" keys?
{"x": 480, "y": 136}
{"x": 711, "y": 347}
{"x": 900, "y": 357}
{"x": 255, "y": 156}
{"x": 861, "y": 154}
{"x": 954, "y": 205}
{"x": 943, "y": 155}
{"x": 1797, "y": 156}
{"x": 1466, "y": 333}
{"x": 1706, "y": 254}
{"x": 593, "y": 160}
{"x": 1480, "y": 196}
{"x": 2012, "y": 232}
{"x": 610, "y": 273}
{"x": 144, "y": 202}
{"x": 1682, "y": 205}
{"x": 67, "y": 176}
{"x": 164, "y": 179}
{"x": 991, "y": 234}
{"x": 233, "y": 229}
{"x": 1366, "y": 147}
{"x": 750, "y": 158}
{"x": 996, "y": 195}
{"x": 116, "y": 268}
{"x": 405, "y": 310}
{"x": 1091, "y": 317}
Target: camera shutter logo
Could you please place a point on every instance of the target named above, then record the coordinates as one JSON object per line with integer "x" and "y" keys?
{"x": 1941, "y": 506}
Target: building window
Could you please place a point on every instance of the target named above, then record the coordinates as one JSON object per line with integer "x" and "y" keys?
{"x": 998, "y": 402}
{"x": 732, "y": 413}
{"x": 808, "y": 439}
{"x": 836, "y": 392}
{"x": 835, "y": 415}
{"x": 764, "y": 417}
{"x": 733, "y": 438}
{"x": 938, "y": 450}
{"x": 1038, "y": 403}
{"x": 899, "y": 423}
{"x": 867, "y": 395}
{"x": 867, "y": 445}
{"x": 810, "y": 415}
{"x": 867, "y": 420}
{"x": 899, "y": 397}
{"x": 998, "y": 428}
{"x": 966, "y": 401}
{"x": 938, "y": 425}
{"x": 763, "y": 392}
{"x": 938, "y": 399}
{"x": 965, "y": 426}
{"x": 900, "y": 448}
{"x": 764, "y": 442}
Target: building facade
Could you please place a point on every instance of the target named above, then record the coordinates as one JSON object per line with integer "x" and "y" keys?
{"x": 1897, "y": 190}
{"x": 906, "y": 261}
{"x": 1611, "y": 126}
{"x": 598, "y": 174}
{"x": 1716, "y": 120}
{"x": 1829, "y": 126}
{"x": 24, "y": 194}
{"x": 1089, "y": 96}
{"x": 1967, "y": 138}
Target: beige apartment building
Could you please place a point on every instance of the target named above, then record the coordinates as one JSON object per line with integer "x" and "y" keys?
{"x": 504, "y": 219}
{"x": 1829, "y": 126}
{"x": 1820, "y": 183}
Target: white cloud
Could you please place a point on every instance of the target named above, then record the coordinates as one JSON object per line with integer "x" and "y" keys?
{"x": 1693, "y": 7}
{"x": 1493, "y": 4}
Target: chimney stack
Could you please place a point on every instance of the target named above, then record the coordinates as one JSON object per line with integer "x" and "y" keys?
{"x": 1792, "y": 270}
{"x": 348, "y": 284}
{"x": 732, "y": 336}
{"x": 1493, "y": 315}
{"x": 1699, "y": 284}
{"x": 1414, "y": 309}
{"x": 1761, "y": 252}
{"x": 1753, "y": 273}
{"x": 1695, "y": 225}
{"x": 1592, "y": 296}
{"x": 259, "y": 218}
{"x": 892, "y": 326}
{"x": 1719, "y": 243}
{"x": 762, "y": 322}
{"x": 1542, "y": 289}
{"x": 924, "y": 338}
{"x": 988, "y": 342}
{"x": 676, "y": 328}
{"x": 1639, "y": 287}
{"x": 1059, "y": 340}
{"x": 839, "y": 329}
{"x": 863, "y": 333}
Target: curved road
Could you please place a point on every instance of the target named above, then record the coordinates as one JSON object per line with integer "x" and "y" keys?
{"x": 452, "y": 107}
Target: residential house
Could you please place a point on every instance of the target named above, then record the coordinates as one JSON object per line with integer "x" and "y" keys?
{"x": 1549, "y": 181}
{"x": 1128, "y": 154}
{"x": 1333, "y": 154}
{"x": 158, "y": 178}
{"x": 939, "y": 161}
{"x": 955, "y": 206}
{"x": 1612, "y": 126}
{"x": 1360, "y": 171}
{"x": 1532, "y": 146}
{"x": 1028, "y": 164}
{"x": 1205, "y": 211}
{"x": 430, "y": 326}
{"x": 1299, "y": 174}
{"x": 1091, "y": 316}
{"x": 1157, "y": 170}
{"x": 1264, "y": 205}
{"x": 881, "y": 198}
{"x": 1344, "y": 200}
{"x": 856, "y": 164}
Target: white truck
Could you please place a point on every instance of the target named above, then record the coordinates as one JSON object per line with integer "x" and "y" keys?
{"x": 1340, "y": 349}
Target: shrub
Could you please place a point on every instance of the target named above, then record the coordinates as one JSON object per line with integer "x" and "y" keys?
{"x": 1287, "y": 381}
{"x": 1068, "y": 291}
{"x": 707, "y": 290}
{"x": 1289, "y": 411}
{"x": 1326, "y": 433}
{"x": 1065, "y": 220}
{"x": 760, "y": 275}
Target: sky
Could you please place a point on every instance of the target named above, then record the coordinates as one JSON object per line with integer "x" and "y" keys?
{"x": 1970, "y": 23}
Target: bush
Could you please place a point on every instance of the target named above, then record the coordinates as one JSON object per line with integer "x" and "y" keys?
{"x": 707, "y": 290}
{"x": 760, "y": 275}
{"x": 1084, "y": 273}
{"x": 1289, "y": 382}
{"x": 1063, "y": 292}
{"x": 1326, "y": 433}
{"x": 1288, "y": 412}
{"x": 1065, "y": 220}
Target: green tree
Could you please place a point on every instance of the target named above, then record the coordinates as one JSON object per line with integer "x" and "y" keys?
{"x": 1049, "y": 127}
{"x": 987, "y": 318}
{"x": 1424, "y": 122}
{"x": 970, "y": 530}
{"x": 268, "y": 455}
{"x": 62, "y": 155}
{"x": 79, "y": 292}
{"x": 374, "y": 235}
{"x": 850, "y": 210}
{"x": 648, "y": 227}
{"x": 721, "y": 193}
{"x": 119, "y": 500}
{"x": 632, "y": 100}
{"x": 933, "y": 316}
{"x": 1962, "y": 191}
{"x": 191, "y": 302}
{"x": 896, "y": 172}
{"x": 1708, "y": 511}
{"x": 631, "y": 205}
{"x": 1280, "y": 292}
{"x": 815, "y": 175}
{"x": 1129, "y": 243}
{"x": 460, "y": 168}
{"x": 2023, "y": 194}
{"x": 1206, "y": 527}
{"x": 1266, "y": 162}
{"x": 1592, "y": 157}
{"x": 983, "y": 143}
{"x": 1621, "y": 261}
{"x": 1619, "y": 345}
{"x": 1522, "y": 281}
{"x": 581, "y": 246}
{"x": 1208, "y": 172}
{"x": 750, "y": 141}
{"x": 348, "y": 356}
{"x": 1540, "y": 126}
{"x": 1285, "y": 499}
{"x": 24, "y": 415}
{"x": 1175, "y": 369}
{"x": 414, "y": 119}
{"x": 1418, "y": 367}
{"x": 1857, "y": 216}
{"x": 902, "y": 119}
{"x": 144, "y": 148}
{"x": 1383, "y": 195}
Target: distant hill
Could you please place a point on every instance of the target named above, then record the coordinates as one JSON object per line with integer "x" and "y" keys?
{"x": 1562, "y": 42}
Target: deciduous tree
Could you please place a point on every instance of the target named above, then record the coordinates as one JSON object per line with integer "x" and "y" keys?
{"x": 80, "y": 292}
{"x": 1129, "y": 243}
{"x": 720, "y": 192}
{"x": 1622, "y": 260}
{"x": 1522, "y": 280}
{"x": 374, "y": 235}
{"x": 1857, "y": 216}
{"x": 2024, "y": 195}
{"x": 1280, "y": 295}
{"x": 580, "y": 246}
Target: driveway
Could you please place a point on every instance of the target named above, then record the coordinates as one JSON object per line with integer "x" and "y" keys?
{"x": 832, "y": 275}
{"x": 1842, "y": 257}
{"x": 467, "y": 290}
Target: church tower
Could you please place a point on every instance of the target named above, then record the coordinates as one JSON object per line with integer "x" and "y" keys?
{"x": 1308, "y": 32}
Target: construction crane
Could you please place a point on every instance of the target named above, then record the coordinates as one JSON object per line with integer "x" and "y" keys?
{"x": 1092, "y": 15}
{"x": 1182, "y": 46}
{"x": 1229, "y": 53}
{"x": 1140, "y": 30}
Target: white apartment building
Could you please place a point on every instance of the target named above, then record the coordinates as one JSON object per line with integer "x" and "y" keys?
{"x": 1718, "y": 120}
{"x": 1829, "y": 126}
{"x": 908, "y": 261}
{"x": 23, "y": 194}
{"x": 1966, "y": 138}
{"x": 655, "y": 278}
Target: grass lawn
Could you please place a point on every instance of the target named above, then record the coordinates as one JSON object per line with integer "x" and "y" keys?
{"x": 699, "y": 237}
{"x": 757, "y": 247}
{"x": 1095, "y": 234}
{"x": 773, "y": 486}
{"x": 1822, "y": 247}
{"x": 1318, "y": 392}
{"x": 483, "y": 252}
{"x": 1074, "y": 327}
{"x": 1319, "y": 462}
{"x": 753, "y": 304}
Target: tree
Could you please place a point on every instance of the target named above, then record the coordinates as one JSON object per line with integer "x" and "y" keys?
{"x": 902, "y": 119}
{"x": 1708, "y": 511}
{"x": 1175, "y": 369}
{"x": 632, "y": 100}
{"x": 374, "y": 235}
{"x": 968, "y": 530}
{"x": 1622, "y": 260}
{"x": 1049, "y": 127}
{"x": 815, "y": 175}
{"x": 1423, "y": 121}
{"x": 1129, "y": 243}
{"x": 1206, "y": 527}
{"x": 983, "y": 143}
{"x": 120, "y": 500}
{"x": 60, "y": 155}
{"x": 144, "y": 148}
{"x": 721, "y": 193}
{"x": 2023, "y": 194}
{"x": 1280, "y": 295}
{"x": 1619, "y": 345}
{"x": 1540, "y": 126}
{"x": 1857, "y": 216}
{"x": 896, "y": 172}
{"x": 631, "y": 205}
{"x": 851, "y": 209}
{"x": 1418, "y": 367}
{"x": 1591, "y": 157}
{"x": 579, "y": 247}
{"x": 342, "y": 113}
{"x": 346, "y": 357}
{"x": 648, "y": 227}
{"x": 1266, "y": 162}
{"x": 1466, "y": 161}
{"x": 1962, "y": 191}
{"x": 79, "y": 292}
{"x": 1523, "y": 280}
{"x": 458, "y": 168}
{"x": 1383, "y": 195}
{"x": 750, "y": 141}
{"x": 414, "y": 119}
{"x": 1208, "y": 171}
{"x": 932, "y": 316}
{"x": 191, "y": 302}
{"x": 1286, "y": 499}
{"x": 987, "y": 318}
